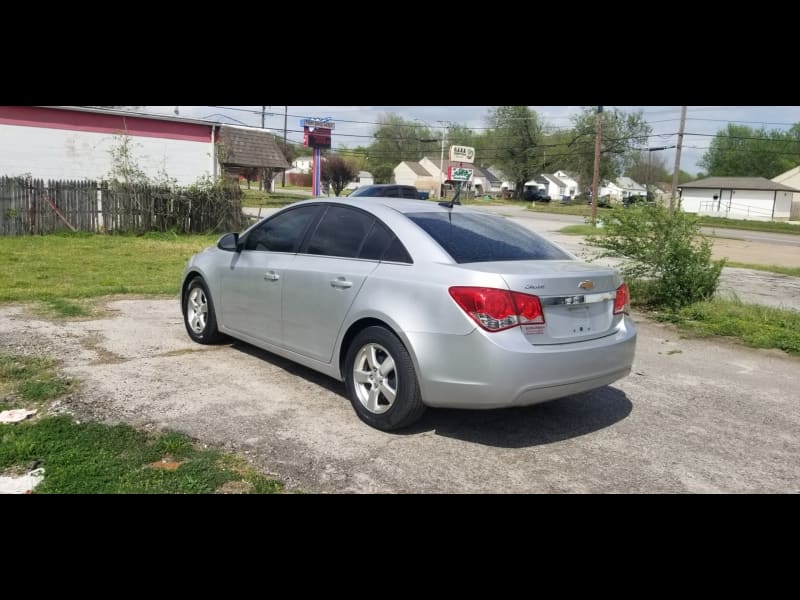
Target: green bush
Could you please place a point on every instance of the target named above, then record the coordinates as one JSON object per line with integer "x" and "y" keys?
{"x": 668, "y": 262}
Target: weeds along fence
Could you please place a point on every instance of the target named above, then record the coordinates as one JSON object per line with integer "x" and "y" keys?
{"x": 33, "y": 206}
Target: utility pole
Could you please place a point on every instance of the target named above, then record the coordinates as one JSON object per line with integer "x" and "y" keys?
{"x": 596, "y": 175}
{"x": 285, "y": 113}
{"x": 673, "y": 197}
{"x": 441, "y": 163}
{"x": 263, "y": 114}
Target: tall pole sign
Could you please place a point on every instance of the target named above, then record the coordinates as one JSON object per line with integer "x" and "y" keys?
{"x": 316, "y": 135}
{"x": 460, "y": 174}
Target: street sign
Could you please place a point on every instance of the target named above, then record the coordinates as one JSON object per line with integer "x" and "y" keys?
{"x": 459, "y": 174}
{"x": 462, "y": 154}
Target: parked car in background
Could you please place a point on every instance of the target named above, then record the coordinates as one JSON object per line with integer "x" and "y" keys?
{"x": 536, "y": 196}
{"x": 414, "y": 304}
{"x": 387, "y": 190}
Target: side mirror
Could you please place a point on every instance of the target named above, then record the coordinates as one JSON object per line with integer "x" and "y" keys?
{"x": 229, "y": 242}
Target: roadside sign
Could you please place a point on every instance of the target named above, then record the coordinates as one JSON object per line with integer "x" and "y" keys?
{"x": 323, "y": 123}
{"x": 462, "y": 154}
{"x": 459, "y": 174}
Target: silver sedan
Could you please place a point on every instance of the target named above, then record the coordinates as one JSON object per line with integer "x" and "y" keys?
{"x": 414, "y": 304}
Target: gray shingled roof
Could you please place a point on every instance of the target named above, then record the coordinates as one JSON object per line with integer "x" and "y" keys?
{"x": 417, "y": 168}
{"x": 738, "y": 183}
{"x": 250, "y": 147}
{"x": 554, "y": 179}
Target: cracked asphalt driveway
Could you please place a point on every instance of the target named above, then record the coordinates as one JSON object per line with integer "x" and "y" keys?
{"x": 694, "y": 416}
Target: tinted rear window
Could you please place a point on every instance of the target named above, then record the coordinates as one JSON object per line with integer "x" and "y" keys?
{"x": 485, "y": 238}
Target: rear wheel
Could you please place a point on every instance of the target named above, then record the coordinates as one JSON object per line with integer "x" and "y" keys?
{"x": 381, "y": 381}
{"x": 198, "y": 314}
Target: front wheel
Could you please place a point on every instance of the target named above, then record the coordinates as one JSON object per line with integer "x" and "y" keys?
{"x": 198, "y": 314}
{"x": 381, "y": 381}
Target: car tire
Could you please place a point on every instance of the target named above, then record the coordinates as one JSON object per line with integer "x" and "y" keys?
{"x": 198, "y": 313}
{"x": 370, "y": 387}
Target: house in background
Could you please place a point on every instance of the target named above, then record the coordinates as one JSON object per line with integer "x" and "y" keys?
{"x": 630, "y": 188}
{"x": 484, "y": 182}
{"x": 570, "y": 183}
{"x": 413, "y": 173}
{"x": 792, "y": 179}
{"x": 755, "y": 198}
{"x": 364, "y": 178}
{"x": 610, "y": 190}
{"x": 301, "y": 166}
{"x": 552, "y": 185}
{"x": 74, "y": 142}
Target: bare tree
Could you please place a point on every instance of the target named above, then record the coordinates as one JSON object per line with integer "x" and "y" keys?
{"x": 338, "y": 172}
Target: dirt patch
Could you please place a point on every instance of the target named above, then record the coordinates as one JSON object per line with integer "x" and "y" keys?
{"x": 694, "y": 416}
{"x": 756, "y": 253}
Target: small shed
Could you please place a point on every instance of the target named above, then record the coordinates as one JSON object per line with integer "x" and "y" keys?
{"x": 244, "y": 151}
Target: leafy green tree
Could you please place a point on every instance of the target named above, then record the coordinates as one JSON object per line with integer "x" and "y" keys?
{"x": 516, "y": 135}
{"x": 338, "y": 172}
{"x": 396, "y": 140}
{"x": 623, "y": 135}
{"x": 741, "y": 151}
{"x": 668, "y": 262}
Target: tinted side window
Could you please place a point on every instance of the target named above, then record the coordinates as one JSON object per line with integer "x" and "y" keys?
{"x": 393, "y": 192}
{"x": 376, "y": 243}
{"x": 340, "y": 232}
{"x": 485, "y": 238}
{"x": 282, "y": 233}
{"x": 396, "y": 252}
{"x": 409, "y": 192}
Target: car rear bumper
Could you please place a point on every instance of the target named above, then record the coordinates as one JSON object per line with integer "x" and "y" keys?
{"x": 476, "y": 371}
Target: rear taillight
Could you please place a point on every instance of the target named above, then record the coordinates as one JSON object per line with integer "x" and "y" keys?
{"x": 622, "y": 301}
{"x": 496, "y": 310}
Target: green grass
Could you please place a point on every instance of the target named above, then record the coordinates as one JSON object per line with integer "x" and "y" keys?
{"x": 753, "y": 325}
{"x": 767, "y": 226}
{"x": 90, "y": 458}
{"x": 54, "y": 268}
{"x": 258, "y": 198}
{"x": 289, "y": 186}
{"x": 26, "y": 380}
{"x": 580, "y": 229}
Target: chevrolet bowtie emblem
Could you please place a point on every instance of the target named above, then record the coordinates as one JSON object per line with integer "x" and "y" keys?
{"x": 586, "y": 285}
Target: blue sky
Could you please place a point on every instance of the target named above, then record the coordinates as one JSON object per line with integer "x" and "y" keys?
{"x": 354, "y": 124}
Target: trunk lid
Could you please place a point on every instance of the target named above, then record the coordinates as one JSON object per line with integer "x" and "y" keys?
{"x": 577, "y": 298}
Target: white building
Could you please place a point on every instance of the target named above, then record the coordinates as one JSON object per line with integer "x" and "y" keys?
{"x": 755, "y": 198}
{"x": 364, "y": 178}
{"x": 69, "y": 142}
{"x": 792, "y": 179}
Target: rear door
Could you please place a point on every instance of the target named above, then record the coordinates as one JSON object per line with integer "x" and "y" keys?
{"x": 325, "y": 278}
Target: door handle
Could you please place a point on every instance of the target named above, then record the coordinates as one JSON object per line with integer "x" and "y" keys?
{"x": 341, "y": 283}
{"x": 272, "y": 276}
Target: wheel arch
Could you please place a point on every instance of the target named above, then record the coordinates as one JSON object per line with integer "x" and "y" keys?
{"x": 190, "y": 275}
{"x": 360, "y": 325}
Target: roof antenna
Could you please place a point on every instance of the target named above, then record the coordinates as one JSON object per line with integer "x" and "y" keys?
{"x": 455, "y": 199}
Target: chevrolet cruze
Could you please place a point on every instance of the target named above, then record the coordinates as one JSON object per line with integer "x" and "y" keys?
{"x": 414, "y": 304}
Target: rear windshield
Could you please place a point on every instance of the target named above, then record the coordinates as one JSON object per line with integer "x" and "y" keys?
{"x": 485, "y": 238}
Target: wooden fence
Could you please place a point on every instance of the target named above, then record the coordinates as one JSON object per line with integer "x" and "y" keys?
{"x": 31, "y": 206}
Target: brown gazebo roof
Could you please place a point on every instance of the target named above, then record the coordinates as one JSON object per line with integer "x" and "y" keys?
{"x": 250, "y": 147}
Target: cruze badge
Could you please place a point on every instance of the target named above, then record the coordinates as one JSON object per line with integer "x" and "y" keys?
{"x": 534, "y": 286}
{"x": 586, "y": 285}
